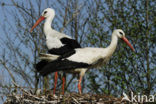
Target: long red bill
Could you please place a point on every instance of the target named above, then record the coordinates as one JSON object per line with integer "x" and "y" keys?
{"x": 127, "y": 42}
{"x": 37, "y": 22}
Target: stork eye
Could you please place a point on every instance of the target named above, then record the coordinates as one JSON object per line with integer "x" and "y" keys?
{"x": 121, "y": 33}
{"x": 45, "y": 12}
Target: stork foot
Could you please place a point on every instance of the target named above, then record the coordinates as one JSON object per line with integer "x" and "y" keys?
{"x": 79, "y": 85}
{"x": 55, "y": 83}
{"x": 63, "y": 84}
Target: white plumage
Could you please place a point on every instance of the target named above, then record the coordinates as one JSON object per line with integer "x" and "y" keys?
{"x": 94, "y": 57}
{"x": 52, "y": 36}
{"x": 57, "y": 43}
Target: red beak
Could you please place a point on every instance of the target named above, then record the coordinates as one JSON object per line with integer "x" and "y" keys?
{"x": 37, "y": 22}
{"x": 127, "y": 42}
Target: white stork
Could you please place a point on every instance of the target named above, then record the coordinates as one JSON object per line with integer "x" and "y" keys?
{"x": 85, "y": 58}
{"x": 57, "y": 43}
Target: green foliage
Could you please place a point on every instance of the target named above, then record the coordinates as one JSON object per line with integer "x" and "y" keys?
{"x": 127, "y": 70}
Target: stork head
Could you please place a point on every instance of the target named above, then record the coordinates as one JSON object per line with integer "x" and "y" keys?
{"x": 120, "y": 34}
{"x": 48, "y": 13}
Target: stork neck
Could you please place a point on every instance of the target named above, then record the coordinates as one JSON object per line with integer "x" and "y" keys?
{"x": 47, "y": 25}
{"x": 113, "y": 44}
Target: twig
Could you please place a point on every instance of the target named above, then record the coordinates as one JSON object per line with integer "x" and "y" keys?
{"x": 75, "y": 100}
{"x": 11, "y": 75}
{"x": 73, "y": 16}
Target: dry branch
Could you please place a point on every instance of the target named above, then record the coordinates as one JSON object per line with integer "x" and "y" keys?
{"x": 26, "y": 97}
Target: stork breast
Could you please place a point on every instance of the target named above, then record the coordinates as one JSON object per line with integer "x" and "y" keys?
{"x": 100, "y": 62}
{"x": 53, "y": 43}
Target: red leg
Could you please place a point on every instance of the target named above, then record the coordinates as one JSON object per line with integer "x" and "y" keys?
{"x": 79, "y": 85}
{"x": 63, "y": 84}
{"x": 55, "y": 83}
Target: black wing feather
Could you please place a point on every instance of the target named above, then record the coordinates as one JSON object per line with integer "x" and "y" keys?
{"x": 66, "y": 50}
{"x": 61, "y": 65}
{"x": 44, "y": 67}
{"x": 71, "y": 42}
{"x": 40, "y": 65}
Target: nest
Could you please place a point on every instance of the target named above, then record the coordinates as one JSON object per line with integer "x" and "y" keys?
{"x": 27, "y": 97}
{"x": 70, "y": 98}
